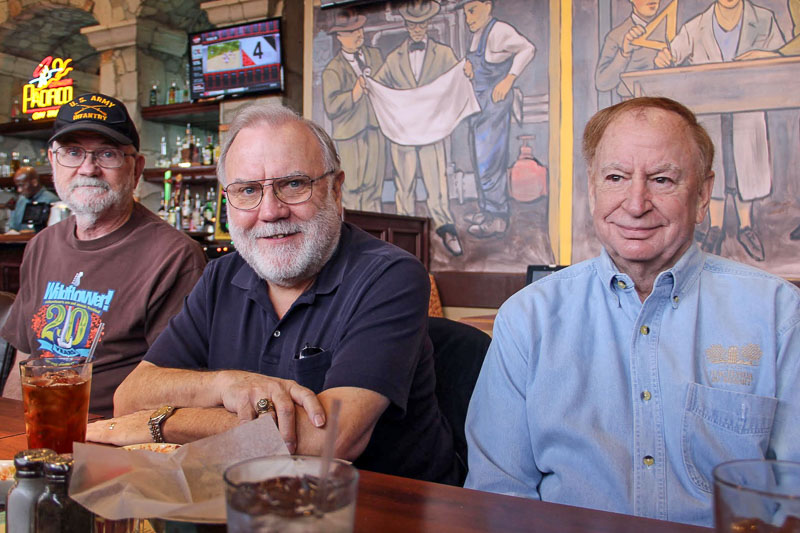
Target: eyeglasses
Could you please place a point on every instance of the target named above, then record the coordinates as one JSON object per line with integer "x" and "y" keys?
{"x": 73, "y": 156}
{"x": 290, "y": 190}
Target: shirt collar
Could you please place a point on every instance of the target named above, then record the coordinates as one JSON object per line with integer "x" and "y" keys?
{"x": 639, "y": 21}
{"x": 683, "y": 275}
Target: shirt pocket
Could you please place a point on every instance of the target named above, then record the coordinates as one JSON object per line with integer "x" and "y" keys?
{"x": 720, "y": 425}
{"x": 310, "y": 371}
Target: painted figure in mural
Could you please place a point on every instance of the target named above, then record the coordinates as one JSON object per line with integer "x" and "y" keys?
{"x": 418, "y": 61}
{"x": 614, "y": 414}
{"x": 725, "y": 32}
{"x": 791, "y": 48}
{"x": 620, "y": 55}
{"x": 354, "y": 127}
{"x": 497, "y": 55}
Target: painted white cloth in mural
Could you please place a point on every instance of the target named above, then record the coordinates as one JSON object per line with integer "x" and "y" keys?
{"x": 426, "y": 114}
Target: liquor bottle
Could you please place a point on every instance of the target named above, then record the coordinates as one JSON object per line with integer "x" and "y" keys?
{"x": 185, "y": 92}
{"x": 217, "y": 151}
{"x": 197, "y": 156}
{"x": 176, "y": 154}
{"x": 186, "y": 210}
{"x": 208, "y": 152}
{"x": 209, "y": 210}
{"x": 172, "y": 94}
{"x": 163, "y": 158}
{"x": 15, "y": 162}
{"x": 154, "y": 94}
{"x": 186, "y": 147}
{"x": 197, "y": 214}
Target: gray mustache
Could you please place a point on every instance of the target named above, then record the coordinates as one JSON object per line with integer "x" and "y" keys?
{"x": 88, "y": 182}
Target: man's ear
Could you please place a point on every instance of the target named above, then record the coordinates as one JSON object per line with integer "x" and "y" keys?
{"x": 591, "y": 185}
{"x": 138, "y": 169}
{"x": 704, "y": 197}
{"x": 336, "y": 189}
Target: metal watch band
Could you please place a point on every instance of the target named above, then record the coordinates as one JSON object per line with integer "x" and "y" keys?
{"x": 157, "y": 420}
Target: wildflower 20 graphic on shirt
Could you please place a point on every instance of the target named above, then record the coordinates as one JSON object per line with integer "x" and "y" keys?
{"x": 66, "y": 323}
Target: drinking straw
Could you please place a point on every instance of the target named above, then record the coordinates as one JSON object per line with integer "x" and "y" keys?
{"x": 96, "y": 339}
{"x": 328, "y": 445}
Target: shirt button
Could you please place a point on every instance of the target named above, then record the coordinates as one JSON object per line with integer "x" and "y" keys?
{"x": 648, "y": 460}
{"x": 646, "y": 396}
{"x": 621, "y": 284}
{"x": 676, "y": 299}
{"x": 276, "y": 333}
{"x": 644, "y": 330}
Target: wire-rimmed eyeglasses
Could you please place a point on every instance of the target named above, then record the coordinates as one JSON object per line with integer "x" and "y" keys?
{"x": 290, "y": 190}
{"x": 73, "y": 156}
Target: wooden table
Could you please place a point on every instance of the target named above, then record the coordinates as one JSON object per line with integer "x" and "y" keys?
{"x": 391, "y": 504}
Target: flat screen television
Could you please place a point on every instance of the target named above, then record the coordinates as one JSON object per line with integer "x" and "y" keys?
{"x": 236, "y": 60}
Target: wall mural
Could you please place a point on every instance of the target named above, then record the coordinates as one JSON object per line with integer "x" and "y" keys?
{"x": 442, "y": 109}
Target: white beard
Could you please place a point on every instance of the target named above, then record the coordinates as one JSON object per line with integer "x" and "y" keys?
{"x": 100, "y": 201}
{"x": 289, "y": 264}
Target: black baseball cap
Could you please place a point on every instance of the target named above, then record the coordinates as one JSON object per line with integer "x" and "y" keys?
{"x": 98, "y": 113}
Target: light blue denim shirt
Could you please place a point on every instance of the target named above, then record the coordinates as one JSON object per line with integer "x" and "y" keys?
{"x": 590, "y": 397}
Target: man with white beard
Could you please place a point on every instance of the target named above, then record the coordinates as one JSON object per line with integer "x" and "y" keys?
{"x": 310, "y": 310}
{"x": 111, "y": 262}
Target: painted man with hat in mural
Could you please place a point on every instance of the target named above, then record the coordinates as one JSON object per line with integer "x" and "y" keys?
{"x": 418, "y": 61}
{"x": 354, "y": 127}
{"x": 497, "y": 55}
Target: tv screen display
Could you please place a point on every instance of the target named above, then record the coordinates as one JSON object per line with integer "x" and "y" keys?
{"x": 236, "y": 60}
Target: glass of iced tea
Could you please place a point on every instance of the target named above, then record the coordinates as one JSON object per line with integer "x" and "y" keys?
{"x": 757, "y": 496}
{"x": 55, "y": 395}
{"x": 284, "y": 493}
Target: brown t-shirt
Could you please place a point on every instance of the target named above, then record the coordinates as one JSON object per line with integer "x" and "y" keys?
{"x": 133, "y": 280}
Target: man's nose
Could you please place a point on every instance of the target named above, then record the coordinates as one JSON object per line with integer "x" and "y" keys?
{"x": 638, "y": 198}
{"x": 88, "y": 164}
{"x": 271, "y": 208}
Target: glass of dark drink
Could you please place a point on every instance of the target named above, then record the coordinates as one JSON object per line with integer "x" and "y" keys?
{"x": 757, "y": 496}
{"x": 55, "y": 394}
{"x": 285, "y": 493}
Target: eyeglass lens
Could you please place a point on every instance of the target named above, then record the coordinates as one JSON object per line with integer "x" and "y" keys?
{"x": 73, "y": 156}
{"x": 289, "y": 190}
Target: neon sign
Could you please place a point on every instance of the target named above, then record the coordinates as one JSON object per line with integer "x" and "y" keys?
{"x": 49, "y": 88}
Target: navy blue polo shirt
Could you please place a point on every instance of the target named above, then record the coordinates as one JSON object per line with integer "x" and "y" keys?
{"x": 364, "y": 319}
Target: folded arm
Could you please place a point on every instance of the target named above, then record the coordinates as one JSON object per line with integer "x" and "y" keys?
{"x": 236, "y": 391}
{"x": 212, "y": 402}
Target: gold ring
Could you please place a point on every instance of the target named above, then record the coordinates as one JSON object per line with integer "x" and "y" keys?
{"x": 111, "y": 425}
{"x": 264, "y": 405}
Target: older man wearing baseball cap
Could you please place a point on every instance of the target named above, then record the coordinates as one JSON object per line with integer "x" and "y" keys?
{"x": 111, "y": 262}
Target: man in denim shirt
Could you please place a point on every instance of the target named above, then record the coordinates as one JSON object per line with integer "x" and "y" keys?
{"x": 620, "y": 382}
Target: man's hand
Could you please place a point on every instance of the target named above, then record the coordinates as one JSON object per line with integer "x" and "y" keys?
{"x": 240, "y": 391}
{"x": 664, "y": 58}
{"x": 756, "y": 54}
{"x": 122, "y": 430}
{"x": 501, "y": 89}
{"x": 627, "y": 42}
{"x": 468, "y": 72}
{"x": 359, "y": 89}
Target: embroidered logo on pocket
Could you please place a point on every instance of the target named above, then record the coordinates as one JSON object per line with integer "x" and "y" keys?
{"x": 748, "y": 355}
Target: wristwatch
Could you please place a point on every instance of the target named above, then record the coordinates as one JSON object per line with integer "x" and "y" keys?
{"x": 157, "y": 420}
